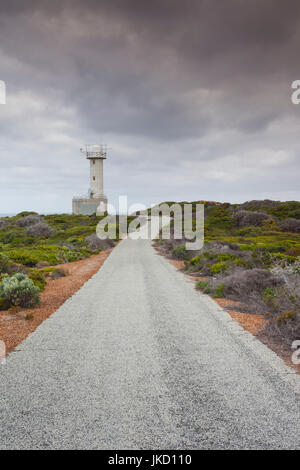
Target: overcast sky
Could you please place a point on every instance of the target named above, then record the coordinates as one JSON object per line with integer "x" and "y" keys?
{"x": 193, "y": 98}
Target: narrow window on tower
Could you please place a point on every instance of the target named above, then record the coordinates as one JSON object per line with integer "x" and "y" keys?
{"x": 94, "y": 178}
{"x": 93, "y": 162}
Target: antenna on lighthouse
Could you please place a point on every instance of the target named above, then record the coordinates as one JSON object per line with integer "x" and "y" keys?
{"x": 95, "y": 150}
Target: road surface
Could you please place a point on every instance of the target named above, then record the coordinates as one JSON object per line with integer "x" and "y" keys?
{"x": 137, "y": 359}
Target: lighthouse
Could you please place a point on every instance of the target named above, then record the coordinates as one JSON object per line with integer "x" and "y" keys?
{"x": 96, "y": 202}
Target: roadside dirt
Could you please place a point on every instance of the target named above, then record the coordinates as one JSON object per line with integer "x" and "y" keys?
{"x": 15, "y": 328}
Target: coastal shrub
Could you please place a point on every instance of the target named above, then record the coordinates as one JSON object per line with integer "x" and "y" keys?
{"x": 96, "y": 243}
{"x": 270, "y": 225}
{"x": 286, "y": 210}
{"x": 283, "y": 270}
{"x": 169, "y": 244}
{"x": 199, "y": 264}
{"x": 68, "y": 245}
{"x": 242, "y": 263}
{"x": 3, "y": 223}
{"x": 48, "y": 270}
{"x": 29, "y": 316}
{"x": 25, "y": 213}
{"x": 52, "y": 254}
{"x": 294, "y": 252}
{"x": 281, "y": 246}
{"x": 201, "y": 285}
{"x": 219, "y": 217}
{"x": 219, "y": 267}
{"x": 14, "y": 309}
{"x": 24, "y": 257}
{"x": 226, "y": 263}
{"x": 261, "y": 257}
{"x": 285, "y": 297}
{"x": 207, "y": 290}
{"x": 22, "y": 241}
{"x": 204, "y": 286}
{"x": 38, "y": 278}
{"x": 181, "y": 253}
{"x": 290, "y": 225}
{"x": 57, "y": 237}
{"x": 4, "y": 304}
{"x": 4, "y": 263}
{"x": 219, "y": 291}
{"x": 210, "y": 262}
{"x": 242, "y": 284}
{"x": 265, "y": 204}
{"x": 3, "y": 276}
{"x": 225, "y": 257}
{"x": 28, "y": 220}
{"x": 194, "y": 261}
{"x": 42, "y": 264}
{"x": 250, "y": 231}
{"x": 19, "y": 290}
{"x": 285, "y": 326}
{"x": 81, "y": 230}
{"x": 59, "y": 272}
{"x": 269, "y": 296}
{"x": 17, "y": 268}
{"x": 222, "y": 247}
{"x": 282, "y": 299}
{"x": 40, "y": 229}
{"x": 66, "y": 222}
{"x": 9, "y": 236}
{"x": 286, "y": 316}
{"x": 247, "y": 218}
{"x": 74, "y": 241}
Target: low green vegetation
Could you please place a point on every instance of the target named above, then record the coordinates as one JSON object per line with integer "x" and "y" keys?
{"x": 30, "y": 239}
{"x": 251, "y": 254}
{"x": 181, "y": 253}
{"x": 19, "y": 290}
{"x": 38, "y": 279}
{"x": 52, "y": 254}
{"x": 219, "y": 291}
{"x": 31, "y": 245}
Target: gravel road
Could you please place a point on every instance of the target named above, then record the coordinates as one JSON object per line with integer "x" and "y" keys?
{"x": 137, "y": 359}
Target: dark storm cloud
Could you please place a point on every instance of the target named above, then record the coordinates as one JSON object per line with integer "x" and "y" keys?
{"x": 183, "y": 90}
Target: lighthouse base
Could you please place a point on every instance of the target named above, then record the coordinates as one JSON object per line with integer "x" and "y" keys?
{"x": 89, "y": 206}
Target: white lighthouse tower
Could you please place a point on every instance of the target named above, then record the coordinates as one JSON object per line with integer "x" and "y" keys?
{"x": 96, "y": 200}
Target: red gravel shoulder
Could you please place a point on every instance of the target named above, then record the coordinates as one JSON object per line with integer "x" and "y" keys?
{"x": 15, "y": 328}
